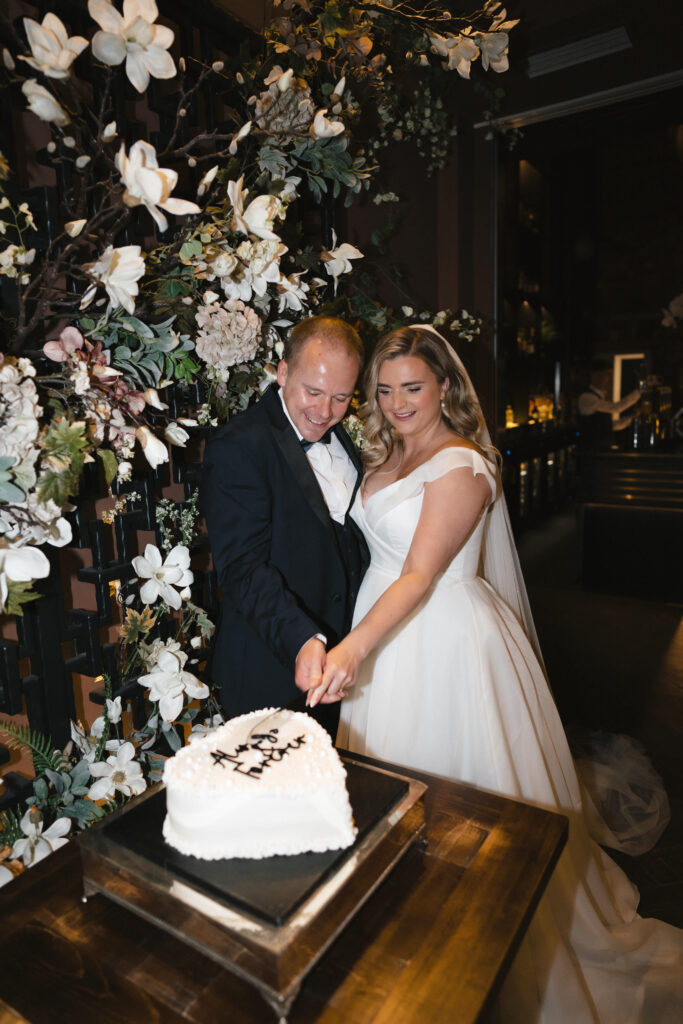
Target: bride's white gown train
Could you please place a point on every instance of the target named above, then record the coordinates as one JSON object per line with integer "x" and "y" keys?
{"x": 456, "y": 690}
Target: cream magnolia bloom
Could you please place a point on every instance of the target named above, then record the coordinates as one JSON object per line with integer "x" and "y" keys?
{"x": 74, "y": 227}
{"x": 458, "y": 50}
{"x": 43, "y": 104}
{"x": 155, "y": 450}
{"x": 119, "y": 773}
{"x": 283, "y": 78}
{"x": 53, "y": 51}
{"x": 163, "y": 577}
{"x": 259, "y": 215}
{"x": 168, "y": 682}
{"x": 38, "y": 844}
{"x": 176, "y": 435}
{"x": 322, "y": 128}
{"x": 241, "y": 134}
{"x": 494, "y": 50}
{"x": 148, "y": 184}
{"x": 338, "y": 260}
{"x": 133, "y": 37}
{"x": 118, "y": 271}
{"x": 207, "y": 180}
{"x": 20, "y": 565}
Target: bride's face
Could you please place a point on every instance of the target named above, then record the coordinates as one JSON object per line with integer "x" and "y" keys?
{"x": 409, "y": 394}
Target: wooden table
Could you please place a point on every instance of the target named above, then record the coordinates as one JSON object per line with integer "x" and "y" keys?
{"x": 432, "y": 944}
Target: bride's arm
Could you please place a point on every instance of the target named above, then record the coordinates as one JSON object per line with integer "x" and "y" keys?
{"x": 451, "y": 508}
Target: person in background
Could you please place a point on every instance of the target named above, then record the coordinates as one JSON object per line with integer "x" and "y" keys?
{"x": 596, "y": 410}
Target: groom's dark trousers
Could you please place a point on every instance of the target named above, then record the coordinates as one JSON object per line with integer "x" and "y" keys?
{"x": 286, "y": 570}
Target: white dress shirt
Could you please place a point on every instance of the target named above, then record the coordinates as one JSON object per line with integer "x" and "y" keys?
{"x": 334, "y": 471}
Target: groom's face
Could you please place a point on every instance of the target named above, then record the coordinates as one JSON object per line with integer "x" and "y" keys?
{"x": 317, "y": 386}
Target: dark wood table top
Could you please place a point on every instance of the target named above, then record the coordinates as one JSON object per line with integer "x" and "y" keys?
{"x": 432, "y": 944}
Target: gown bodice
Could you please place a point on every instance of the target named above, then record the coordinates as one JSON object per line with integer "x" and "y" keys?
{"x": 389, "y": 517}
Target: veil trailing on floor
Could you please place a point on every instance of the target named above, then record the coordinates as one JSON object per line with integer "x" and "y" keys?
{"x": 625, "y": 802}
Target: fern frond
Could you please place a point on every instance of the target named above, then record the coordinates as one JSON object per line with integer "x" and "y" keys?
{"x": 45, "y": 755}
{"x": 10, "y": 830}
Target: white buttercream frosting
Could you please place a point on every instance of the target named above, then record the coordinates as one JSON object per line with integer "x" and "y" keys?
{"x": 281, "y": 790}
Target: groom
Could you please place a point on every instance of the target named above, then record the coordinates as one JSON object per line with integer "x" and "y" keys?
{"x": 278, "y": 480}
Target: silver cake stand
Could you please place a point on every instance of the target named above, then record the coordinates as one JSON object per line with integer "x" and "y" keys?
{"x": 274, "y": 957}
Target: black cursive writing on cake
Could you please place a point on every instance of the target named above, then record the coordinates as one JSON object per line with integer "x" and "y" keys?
{"x": 252, "y": 758}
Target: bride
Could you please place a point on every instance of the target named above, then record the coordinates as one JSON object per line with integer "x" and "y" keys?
{"x": 445, "y": 676}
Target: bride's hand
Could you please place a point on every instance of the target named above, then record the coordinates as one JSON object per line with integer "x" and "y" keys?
{"x": 341, "y": 672}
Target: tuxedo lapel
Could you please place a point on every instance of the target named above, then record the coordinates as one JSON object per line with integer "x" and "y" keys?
{"x": 295, "y": 456}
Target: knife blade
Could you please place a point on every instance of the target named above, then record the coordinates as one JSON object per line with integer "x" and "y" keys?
{"x": 297, "y": 704}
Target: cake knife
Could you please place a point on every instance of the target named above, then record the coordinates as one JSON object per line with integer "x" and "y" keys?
{"x": 298, "y": 704}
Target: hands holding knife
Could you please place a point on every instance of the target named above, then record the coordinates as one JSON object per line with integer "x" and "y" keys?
{"x": 325, "y": 675}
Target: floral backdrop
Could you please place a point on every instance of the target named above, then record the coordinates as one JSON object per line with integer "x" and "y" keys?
{"x": 155, "y": 302}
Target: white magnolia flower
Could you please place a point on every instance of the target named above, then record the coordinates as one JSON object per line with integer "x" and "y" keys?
{"x": 206, "y": 728}
{"x": 163, "y": 577}
{"x": 291, "y": 293}
{"x": 43, "y": 104}
{"x": 119, "y": 271}
{"x": 20, "y": 565}
{"x": 258, "y": 217}
{"x": 87, "y": 743}
{"x": 134, "y": 37}
{"x": 53, "y": 51}
{"x": 494, "y": 50}
{"x": 338, "y": 260}
{"x": 118, "y": 773}
{"x": 176, "y": 435}
{"x": 35, "y": 522}
{"x": 151, "y": 396}
{"x": 458, "y": 50}
{"x": 74, "y": 227}
{"x": 322, "y": 128}
{"x": 38, "y": 844}
{"x": 283, "y": 78}
{"x": 114, "y": 709}
{"x": 155, "y": 450}
{"x": 168, "y": 682}
{"x": 109, "y": 132}
{"x": 148, "y": 184}
{"x": 244, "y": 131}
{"x": 150, "y": 653}
{"x": 207, "y": 180}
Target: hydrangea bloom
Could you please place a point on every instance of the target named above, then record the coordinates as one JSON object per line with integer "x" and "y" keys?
{"x": 228, "y": 335}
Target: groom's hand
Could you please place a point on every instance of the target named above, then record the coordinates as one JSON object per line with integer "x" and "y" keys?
{"x": 310, "y": 664}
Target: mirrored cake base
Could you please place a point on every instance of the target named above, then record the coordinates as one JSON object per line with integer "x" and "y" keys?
{"x": 268, "y": 921}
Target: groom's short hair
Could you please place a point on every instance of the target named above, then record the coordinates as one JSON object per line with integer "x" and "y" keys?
{"x": 329, "y": 329}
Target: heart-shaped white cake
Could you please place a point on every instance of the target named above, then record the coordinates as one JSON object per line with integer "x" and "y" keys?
{"x": 265, "y": 783}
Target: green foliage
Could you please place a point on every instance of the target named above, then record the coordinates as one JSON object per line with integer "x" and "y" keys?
{"x": 109, "y": 463}
{"x": 146, "y": 355}
{"x": 63, "y": 442}
{"x": 10, "y": 829}
{"x": 19, "y": 594}
{"x": 45, "y": 756}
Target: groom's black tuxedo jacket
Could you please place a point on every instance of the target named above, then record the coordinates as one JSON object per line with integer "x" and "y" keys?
{"x": 286, "y": 570}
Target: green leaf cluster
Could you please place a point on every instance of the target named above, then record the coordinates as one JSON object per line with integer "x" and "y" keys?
{"x": 63, "y": 443}
{"x": 19, "y": 594}
{"x": 146, "y": 354}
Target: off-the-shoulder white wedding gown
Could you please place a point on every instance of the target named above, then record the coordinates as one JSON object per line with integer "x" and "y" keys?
{"x": 456, "y": 690}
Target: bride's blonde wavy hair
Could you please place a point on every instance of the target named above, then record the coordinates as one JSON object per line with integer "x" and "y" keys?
{"x": 460, "y": 408}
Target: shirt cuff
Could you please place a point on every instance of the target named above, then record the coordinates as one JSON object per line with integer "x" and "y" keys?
{"x": 316, "y": 636}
